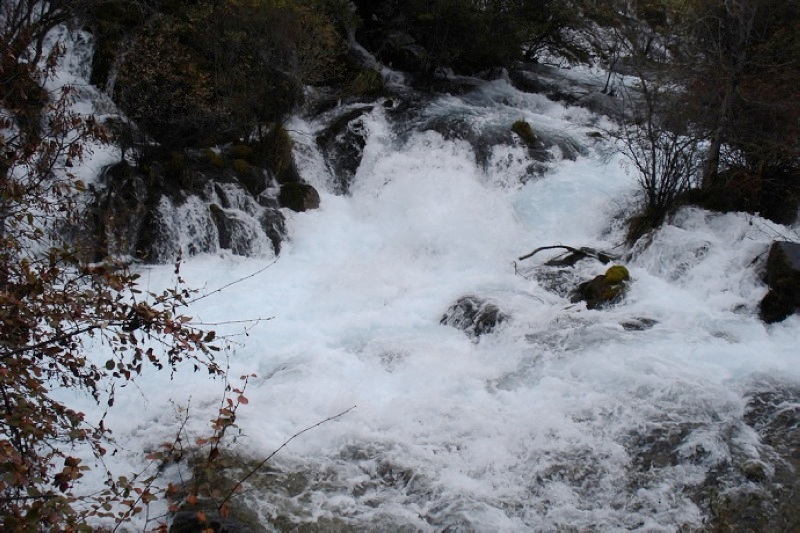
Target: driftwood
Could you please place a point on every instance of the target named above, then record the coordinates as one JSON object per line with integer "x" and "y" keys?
{"x": 575, "y": 255}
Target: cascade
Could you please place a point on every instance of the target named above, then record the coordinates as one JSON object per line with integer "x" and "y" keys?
{"x": 658, "y": 412}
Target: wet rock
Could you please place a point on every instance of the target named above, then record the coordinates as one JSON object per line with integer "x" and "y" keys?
{"x": 474, "y": 316}
{"x": 783, "y": 278}
{"x": 188, "y": 521}
{"x": 233, "y": 232}
{"x": 638, "y": 324}
{"x": 274, "y": 225}
{"x": 764, "y": 495}
{"x": 298, "y": 197}
{"x": 116, "y": 216}
{"x": 343, "y": 145}
{"x": 603, "y": 290}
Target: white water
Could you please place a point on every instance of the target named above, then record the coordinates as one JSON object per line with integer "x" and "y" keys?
{"x": 537, "y": 426}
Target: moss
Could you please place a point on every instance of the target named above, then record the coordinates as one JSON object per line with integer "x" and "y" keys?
{"x": 275, "y": 151}
{"x": 525, "y": 132}
{"x": 214, "y": 158}
{"x": 617, "y": 274}
{"x": 368, "y": 81}
{"x": 240, "y": 166}
{"x": 242, "y": 151}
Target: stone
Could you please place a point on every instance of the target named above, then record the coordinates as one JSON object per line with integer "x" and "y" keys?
{"x": 343, "y": 144}
{"x": 603, "y": 290}
{"x": 782, "y": 275}
{"x": 298, "y": 197}
{"x": 474, "y": 316}
{"x": 188, "y": 521}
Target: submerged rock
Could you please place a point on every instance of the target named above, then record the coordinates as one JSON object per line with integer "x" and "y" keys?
{"x": 638, "y": 324}
{"x": 783, "y": 277}
{"x": 603, "y": 290}
{"x": 474, "y": 316}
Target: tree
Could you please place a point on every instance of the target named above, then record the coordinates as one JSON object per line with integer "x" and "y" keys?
{"x": 215, "y": 71}
{"x": 52, "y": 302}
{"x": 744, "y": 59}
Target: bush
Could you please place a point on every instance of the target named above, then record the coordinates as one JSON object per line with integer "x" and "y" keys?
{"x": 52, "y": 303}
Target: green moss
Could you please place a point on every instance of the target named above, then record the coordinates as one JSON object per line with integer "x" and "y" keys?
{"x": 524, "y": 131}
{"x": 240, "y": 166}
{"x": 617, "y": 274}
{"x": 368, "y": 81}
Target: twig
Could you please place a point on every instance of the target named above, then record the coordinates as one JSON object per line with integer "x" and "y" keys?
{"x": 215, "y": 291}
{"x": 270, "y": 456}
{"x": 542, "y": 248}
{"x": 227, "y": 322}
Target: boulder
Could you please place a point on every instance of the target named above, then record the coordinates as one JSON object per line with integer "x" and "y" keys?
{"x": 298, "y": 197}
{"x": 603, "y": 290}
{"x": 343, "y": 144}
{"x": 782, "y": 275}
{"x": 474, "y": 316}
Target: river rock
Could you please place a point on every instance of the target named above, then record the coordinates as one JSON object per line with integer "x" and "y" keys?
{"x": 783, "y": 278}
{"x": 474, "y": 316}
{"x": 343, "y": 144}
{"x": 298, "y": 197}
{"x": 603, "y": 290}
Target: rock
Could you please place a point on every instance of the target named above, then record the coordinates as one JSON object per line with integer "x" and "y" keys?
{"x": 783, "y": 278}
{"x": 298, "y": 197}
{"x": 603, "y": 290}
{"x": 187, "y": 521}
{"x": 274, "y": 225}
{"x": 638, "y": 324}
{"x": 474, "y": 316}
{"x": 343, "y": 145}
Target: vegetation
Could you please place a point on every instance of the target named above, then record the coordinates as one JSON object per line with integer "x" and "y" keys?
{"x": 201, "y": 73}
{"x": 53, "y": 304}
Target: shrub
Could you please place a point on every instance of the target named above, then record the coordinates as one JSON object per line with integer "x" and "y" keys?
{"x": 52, "y": 304}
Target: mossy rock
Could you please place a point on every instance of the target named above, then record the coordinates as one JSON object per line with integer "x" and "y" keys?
{"x": 240, "y": 166}
{"x": 274, "y": 152}
{"x": 242, "y": 151}
{"x": 525, "y": 132}
{"x": 214, "y": 158}
{"x": 367, "y": 82}
{"x": 617, "y": 274}
{"x": 603, "y": 290}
